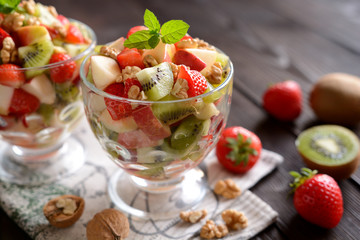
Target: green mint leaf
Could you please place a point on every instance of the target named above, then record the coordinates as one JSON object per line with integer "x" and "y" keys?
{"x": 154, "y": 41}
{"x": 151, "y": 21}
{"x": 139, "y": 40}
{"x": 173, "y": 30}
{"x": 7, "y": 6}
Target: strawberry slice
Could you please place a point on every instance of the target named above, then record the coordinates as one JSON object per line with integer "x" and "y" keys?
{"x": 64, "y": 72}
{"x": 196, "y": 81}
{"x": 23, "y": 103}
{"x": 116, "y": 108}
{"x": 3, "y": 35}
{"x": 74, "y": 35}
{"x": 63, "y": 20}
{"x": 135, "y": 29}
{"x": 11, "y": 76}
{"x": 130, "y": 82}
{"x": 130, "y": 57}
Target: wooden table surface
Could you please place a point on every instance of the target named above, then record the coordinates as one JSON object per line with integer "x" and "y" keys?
{"x": 268, "y": 41}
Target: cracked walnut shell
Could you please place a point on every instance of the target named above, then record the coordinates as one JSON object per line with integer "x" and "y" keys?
{"x": 64, "y": 210}
{"x": 109, "y": 224}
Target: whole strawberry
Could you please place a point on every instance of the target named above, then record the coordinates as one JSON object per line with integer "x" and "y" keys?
{"x": 317, "y": 198}
{"x": 283, "y": 100}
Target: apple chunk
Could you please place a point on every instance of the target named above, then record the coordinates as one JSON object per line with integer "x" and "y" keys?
{"x": 136, "y": 139}
{"x": 162, "y": 52}
{"x": 118, "y": 44}
{"x": 6, "y": 94}
{"x": 189, "y": 59}
{"x": 104, "y": 71}
{"x": 149, "y": 124}
{"x": 207, "y": 56}
{"x": 120, "y": 126}
{"x": 41, "y": 87}
{"x": 31, "y": 34}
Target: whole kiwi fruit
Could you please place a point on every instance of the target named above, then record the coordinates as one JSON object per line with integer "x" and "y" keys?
{"x": 335, "y": 98}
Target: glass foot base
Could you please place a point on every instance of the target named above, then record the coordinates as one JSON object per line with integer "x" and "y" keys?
{"x": 143, "y": 200}
{"x": 31, "y": 170}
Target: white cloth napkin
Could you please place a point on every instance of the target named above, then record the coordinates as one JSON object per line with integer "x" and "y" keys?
{"x": 24, "y": 204}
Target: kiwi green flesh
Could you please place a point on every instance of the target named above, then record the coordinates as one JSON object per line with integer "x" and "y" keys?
{"x": 189, "y": 132}
{"x": 156, "y": 81}
{"x": 170, "y": 113}
{"x": 36, "y": 55}
{"x": 330, "y": 149}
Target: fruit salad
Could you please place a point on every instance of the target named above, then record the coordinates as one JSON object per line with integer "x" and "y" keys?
{"x": 157, "y": 110}
{"x": 41, "y": 53}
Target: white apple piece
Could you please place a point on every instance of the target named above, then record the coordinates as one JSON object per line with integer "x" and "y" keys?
{"x": 127, "y": 124}
{"x": 41, "y": 87}
{"x": 6, "y": 94}
{"x": 97, "y": 102}
{"x": 208, "y": 56}
{"x": 118, "y": 44}
{"x": 162, "y": 52}
{"x": 104, "y": 71}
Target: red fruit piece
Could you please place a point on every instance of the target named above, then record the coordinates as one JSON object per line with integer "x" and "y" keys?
{"x": 196, "y": 81}
{"x": 23, "y": 102}
{"x": 3, "y": 35}
{"x": 135, "y": 29}
{"x": 184, "y": 38}
{"x": 130, "y": 82}
{"x": 136, "y": 139}
{"x": 283, "y": 100}
{"x": 317, "y": 198}
{"x": 63, "y": 20}
{"x": 149, "y": 124}
{"x": 64, "y": 72}
{"x": 189, "y": 59}
{"x": 130, "y": 57}
{"x": 116, "y": 108}
{"x": 238, "y": 149}
{"x": 74, "y": 35}
{"x": 11, "y": 76}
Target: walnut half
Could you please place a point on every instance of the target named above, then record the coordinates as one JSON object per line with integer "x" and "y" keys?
{"x": 64, "y": 211}
{"x": 108, "y": 224}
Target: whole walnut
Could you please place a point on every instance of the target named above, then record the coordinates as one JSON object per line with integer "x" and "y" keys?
{"x": 109, "y": 224}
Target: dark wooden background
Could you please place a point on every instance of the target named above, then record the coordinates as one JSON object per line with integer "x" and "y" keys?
{"x": 268, "y": 41}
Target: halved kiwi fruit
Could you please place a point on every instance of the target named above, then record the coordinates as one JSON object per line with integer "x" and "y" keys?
{"x": 36, "y": 55}
{"x": 331, "y": 149}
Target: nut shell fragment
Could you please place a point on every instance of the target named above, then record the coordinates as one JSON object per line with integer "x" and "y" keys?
{"x": 109, "y": 224}
{"x": 56, "y": 215}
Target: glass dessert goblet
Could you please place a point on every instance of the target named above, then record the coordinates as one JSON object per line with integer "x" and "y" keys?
{"x": 38, "y": 115}
{"x": 157, "y": 144}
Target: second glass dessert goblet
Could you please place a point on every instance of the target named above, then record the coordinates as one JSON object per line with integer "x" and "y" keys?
{"x": 38, "y": 115}
{"x": 158, "y": 146}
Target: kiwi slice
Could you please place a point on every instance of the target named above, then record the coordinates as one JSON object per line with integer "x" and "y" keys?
{"x": 67, "y": 92}
{"x": 331, "y": 149}
{"x": 189, "y": 132}
{"x": 174, "y": 112}
{"x": 36, "y": 55}
{"x": 156, "y": 81}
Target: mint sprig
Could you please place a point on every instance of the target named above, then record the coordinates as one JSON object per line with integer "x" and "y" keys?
{"x": 7, "y": 6}
{"x": 170, "y": 32}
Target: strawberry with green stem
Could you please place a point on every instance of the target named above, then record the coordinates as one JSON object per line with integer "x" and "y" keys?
{"x": 317, "y": 198}
{"x": 238, "y": 149}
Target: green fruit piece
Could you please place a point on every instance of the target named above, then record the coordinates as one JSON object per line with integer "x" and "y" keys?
{"x": 74, "y": 49}
{"x": 206, "y": 111}
{"x": 222, "y": 59}
{"x": 36, "y": 55}
{"x": 157, "y": 81}
{"x": 331, "y": 149}
{"x": 47, "y": 112}
{"x": 155, "y": 172}
{"x": 215, "y": 95}
{"x": 171, "y": 113}
{"x": 67, "y": 92}
{"x": 189, "y": 132}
